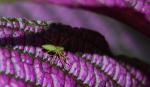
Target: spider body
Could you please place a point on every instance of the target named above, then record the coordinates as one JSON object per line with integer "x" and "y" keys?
{"x": 53, "y": 48}
{"x": 58, "y": 50}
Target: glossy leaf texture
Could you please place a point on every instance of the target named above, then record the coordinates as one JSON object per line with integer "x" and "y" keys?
{"x": 138, "y": 5}
{"x": 135, "y": 13}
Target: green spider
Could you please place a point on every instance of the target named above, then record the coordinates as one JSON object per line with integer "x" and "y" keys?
{"x": 58, "y": 50}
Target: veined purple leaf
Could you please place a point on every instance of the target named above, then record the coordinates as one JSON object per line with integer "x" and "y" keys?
{"x": 76, "y": 66}
{"x": 22, "y": 66}
{"x": 23, "y": 24}
{"x": 117, "y": 70}
{"x": 10, "y": 81}
{"x": 110, "y": 66}
{"x": 136, "y": 68}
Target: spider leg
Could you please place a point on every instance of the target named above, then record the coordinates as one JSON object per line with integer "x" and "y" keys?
{"x": 61, "y": 59}
{"x": 51, "y": 62}
{"x": 64, "y": 58}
